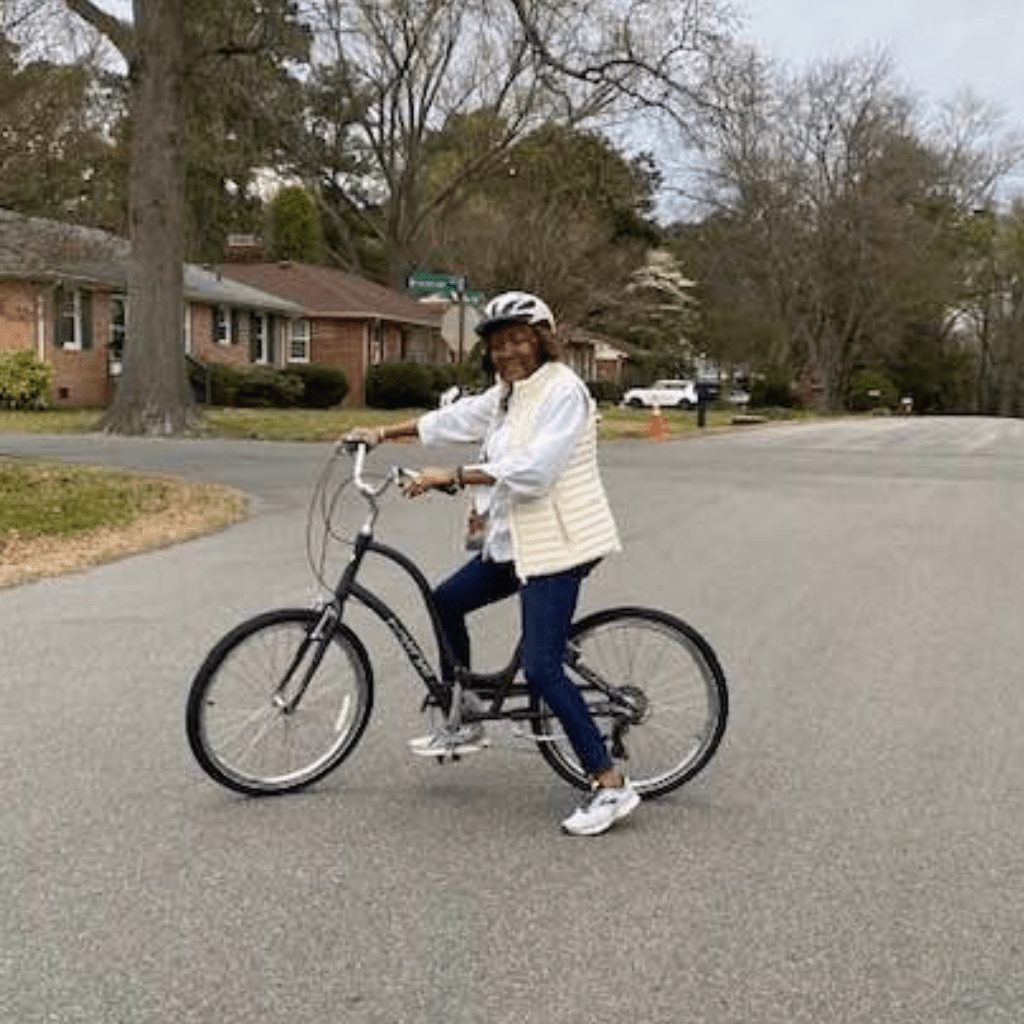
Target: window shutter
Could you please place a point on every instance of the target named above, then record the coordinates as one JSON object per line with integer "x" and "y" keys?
{"x": 63, "y": 326}
{"x": 254, "y": 338}
{"x": 85, "y": 316}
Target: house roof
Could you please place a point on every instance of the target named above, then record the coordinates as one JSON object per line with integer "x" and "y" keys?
{"x": 205, "y": 285}
{"x": 32, "y": 248}
{"x": 329, "y": 293}
{"x": 36, "y": 249}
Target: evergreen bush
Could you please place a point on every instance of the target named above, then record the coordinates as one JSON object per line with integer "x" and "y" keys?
{"x": 264, "y": 387}
{"x": 606, "y": 392}
{"x": 773, "y": 391}
{"x": 323, "y": 386}
{"x": 246, "y": 386}
{"x": 24, "y": 381}
{"x": 402, "y": 386}
{"x": 871, "y": 389}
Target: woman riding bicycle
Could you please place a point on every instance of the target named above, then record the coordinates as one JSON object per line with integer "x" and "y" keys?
{"x": 546, "y": 520}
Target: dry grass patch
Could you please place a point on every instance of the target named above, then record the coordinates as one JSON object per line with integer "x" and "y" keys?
{"x": 56, "y": 518}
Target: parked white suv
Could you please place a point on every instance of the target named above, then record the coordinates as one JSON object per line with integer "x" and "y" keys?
{"x": 672, "y": 394}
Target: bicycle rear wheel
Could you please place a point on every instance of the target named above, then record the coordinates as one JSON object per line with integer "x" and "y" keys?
{"x": 659, "y": 676}
{"x": 273, "y": 708}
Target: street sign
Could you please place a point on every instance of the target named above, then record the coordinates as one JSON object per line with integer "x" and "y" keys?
{"x": 426, "y": 282}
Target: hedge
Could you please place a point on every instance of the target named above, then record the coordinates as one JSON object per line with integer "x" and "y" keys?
{"x": 309, "y": 386}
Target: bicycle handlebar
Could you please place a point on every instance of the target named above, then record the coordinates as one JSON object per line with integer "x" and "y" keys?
{"x": 358, "y": 450}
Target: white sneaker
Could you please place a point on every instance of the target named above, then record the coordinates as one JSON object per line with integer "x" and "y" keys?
{"x": 601, "y": 809}
{"x": 467, "y": 739}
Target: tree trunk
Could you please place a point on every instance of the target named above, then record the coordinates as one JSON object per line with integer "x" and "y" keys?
{"x": 153, "y": 395}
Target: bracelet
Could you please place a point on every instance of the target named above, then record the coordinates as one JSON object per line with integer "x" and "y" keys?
{"x": 381, "y": 436}
{"x": 460, "y": 480}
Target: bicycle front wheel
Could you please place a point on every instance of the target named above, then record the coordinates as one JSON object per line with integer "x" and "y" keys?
{"x": 654, "y": 678}
{"x": 275, "y": 707}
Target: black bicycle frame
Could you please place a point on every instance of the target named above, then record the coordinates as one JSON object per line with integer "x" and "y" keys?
{"x": 440, "y": 690}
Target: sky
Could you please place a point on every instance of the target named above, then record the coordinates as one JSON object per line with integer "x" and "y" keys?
{"x": 939, "y": 47}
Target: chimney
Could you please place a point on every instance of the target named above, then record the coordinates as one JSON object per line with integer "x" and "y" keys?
{"x": 243, "y": 249}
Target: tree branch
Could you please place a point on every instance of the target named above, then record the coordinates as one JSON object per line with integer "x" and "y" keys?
{"x": 119, "y": 32}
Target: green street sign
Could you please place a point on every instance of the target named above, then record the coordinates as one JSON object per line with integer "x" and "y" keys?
{"x": 422, "y": 281}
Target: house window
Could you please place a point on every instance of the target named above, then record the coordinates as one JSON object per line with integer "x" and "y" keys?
{"x": 376, "y": 342}
{"x": 298, "y": 342}
{"x": 261, "y": 339}
{"x": 225, "y": 325}
{"x": 118, "y": 332}
{"x": 417, "y": 347}
{"x": 74, "y": 319}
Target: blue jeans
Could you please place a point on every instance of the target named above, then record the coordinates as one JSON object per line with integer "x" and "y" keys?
{"x": 547, "y": 605}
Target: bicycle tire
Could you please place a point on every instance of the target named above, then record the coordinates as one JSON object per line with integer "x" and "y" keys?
{"x": 683, "y": 689}
{"x": 252, "y": 743}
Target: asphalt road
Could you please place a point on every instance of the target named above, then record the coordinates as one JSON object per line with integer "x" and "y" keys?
{"x": 854, "y": 855}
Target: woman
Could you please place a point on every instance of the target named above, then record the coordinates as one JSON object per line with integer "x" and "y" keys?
{"x": 546, "y": 524}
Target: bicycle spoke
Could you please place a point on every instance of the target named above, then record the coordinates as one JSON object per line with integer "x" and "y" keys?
{"x": 665, "y": 676}
{"x": 253, "y": 736}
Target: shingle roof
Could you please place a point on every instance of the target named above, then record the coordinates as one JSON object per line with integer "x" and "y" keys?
{"x": 329, "y": 293}
{"x": 205, "y": 285}
{"x": 33, "y": 248}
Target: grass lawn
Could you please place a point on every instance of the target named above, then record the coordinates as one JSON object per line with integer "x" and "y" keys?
{"x": 54, "y": 499}
{"x": 55, "y": 518}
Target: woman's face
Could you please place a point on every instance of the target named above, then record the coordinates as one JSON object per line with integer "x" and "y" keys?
{"x": 515, "y": 351}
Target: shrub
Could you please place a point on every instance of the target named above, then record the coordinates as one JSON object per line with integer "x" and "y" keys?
{"x": 606, "y": 391}
{"x": 871, "y": 389}
{"x": 402, "y": 386}
{"x": 323, "y": 386}
{"x": 264, "y": 387}
{"x": 246, "y": 386}
{"x": 773, "y": 390}
{"x": 24, "y": 380}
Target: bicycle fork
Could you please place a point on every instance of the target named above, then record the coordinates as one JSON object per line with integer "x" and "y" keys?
{"x": 318, "y": 639}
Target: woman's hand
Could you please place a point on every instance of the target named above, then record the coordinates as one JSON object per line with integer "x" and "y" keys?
{"x": 428, "y": 479}
{"x": 370, "y": 436}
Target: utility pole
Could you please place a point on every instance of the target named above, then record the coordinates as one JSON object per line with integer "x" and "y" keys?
{"x": 461, "y": 296}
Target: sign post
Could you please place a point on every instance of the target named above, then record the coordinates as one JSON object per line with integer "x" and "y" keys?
{"x": 453, "y": 284}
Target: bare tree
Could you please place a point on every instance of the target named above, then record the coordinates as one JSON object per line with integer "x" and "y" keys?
{"x": 841, "y": 213}
{"x": 390, "y": 76}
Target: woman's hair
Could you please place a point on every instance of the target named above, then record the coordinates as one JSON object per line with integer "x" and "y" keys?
{"x": 548, "y": 349}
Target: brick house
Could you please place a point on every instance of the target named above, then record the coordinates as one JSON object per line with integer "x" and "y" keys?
{"x": 592, "y": 357}
{"x": 63, "y": 295}
{"x": 349, "y": 322}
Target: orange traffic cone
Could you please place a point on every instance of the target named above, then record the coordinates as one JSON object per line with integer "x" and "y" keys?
{"x": 658, "y": 428}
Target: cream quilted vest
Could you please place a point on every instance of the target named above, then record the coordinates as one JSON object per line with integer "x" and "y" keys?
{"x": 573, "y": 522}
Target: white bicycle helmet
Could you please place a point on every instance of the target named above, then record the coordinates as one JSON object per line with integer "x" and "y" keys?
{"x": 514, "y": 308}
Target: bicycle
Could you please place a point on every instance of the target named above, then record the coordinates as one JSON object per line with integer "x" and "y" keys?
{"x": 283, "y": 698}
